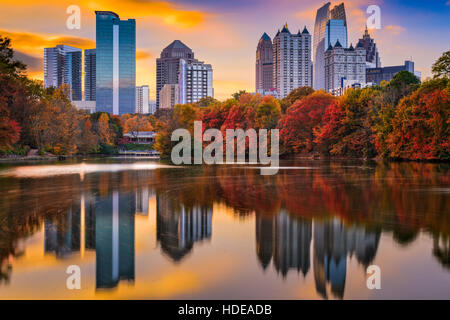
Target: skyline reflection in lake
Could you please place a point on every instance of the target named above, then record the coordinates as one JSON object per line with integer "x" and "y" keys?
{"x": 225, "y": 232}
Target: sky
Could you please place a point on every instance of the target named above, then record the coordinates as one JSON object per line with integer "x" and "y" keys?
{"x": 224, "y": 33}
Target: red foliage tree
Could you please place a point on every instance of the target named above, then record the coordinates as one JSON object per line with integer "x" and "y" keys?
{"x": 301, "y": 120}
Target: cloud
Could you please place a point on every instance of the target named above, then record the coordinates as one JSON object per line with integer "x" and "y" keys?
{"x": 395, "y": 30}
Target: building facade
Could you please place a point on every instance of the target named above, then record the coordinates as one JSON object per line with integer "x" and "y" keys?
{"x": 376, "y": 75}
{"x": 86, "y": 105}
{"x": 344, "y": 64}
{"x": 195, "y": 81}
{"x": 167, "y": 66}
{"x": 89, "y": 74}
{"x": 142, "y": 95}
{"x": 169, "y": 96}
{"x": 264, "y": 64}
{"x": 291, "y": 61}
{"x": 335, "y": 31}
{"x": 115, "y": 63}
{"x": 62, "y": 65}
{"x": 372, "y": 55}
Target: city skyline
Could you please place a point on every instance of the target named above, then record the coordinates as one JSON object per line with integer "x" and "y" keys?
{"x": 232, "y": 39}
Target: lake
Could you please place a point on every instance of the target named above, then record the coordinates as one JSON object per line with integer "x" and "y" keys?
{"x": 141, "y": 229}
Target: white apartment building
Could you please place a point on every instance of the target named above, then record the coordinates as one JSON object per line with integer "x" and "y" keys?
{"x": 142, "y": 101}
{"x": 292, "y": 65}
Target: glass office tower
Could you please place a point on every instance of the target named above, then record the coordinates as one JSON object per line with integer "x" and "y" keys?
{"x": 115, "y": 63}
{"x": 62, "y": 65}
{"x": 89, "y": 74}
{"x": 334, "y": 31}
{"x": 323, "y": 16}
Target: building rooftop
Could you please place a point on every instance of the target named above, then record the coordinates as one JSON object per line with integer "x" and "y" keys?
{"x": 107, "y": 13}
{"x": 265, "y": 36}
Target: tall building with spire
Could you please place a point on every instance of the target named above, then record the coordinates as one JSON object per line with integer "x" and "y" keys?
{"x": 330, "y": 26}
{"x": 372, "y": 55}
{"x": 291, "y": 61}
{"x": 264, "y": 64}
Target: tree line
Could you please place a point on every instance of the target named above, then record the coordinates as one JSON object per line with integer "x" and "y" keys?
{"x": 400, "y": 119}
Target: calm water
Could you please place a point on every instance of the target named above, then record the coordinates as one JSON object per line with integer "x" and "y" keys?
{"x": 142, "y": 230}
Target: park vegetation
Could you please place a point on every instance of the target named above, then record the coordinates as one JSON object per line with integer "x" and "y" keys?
{"x": 401, "y": 119}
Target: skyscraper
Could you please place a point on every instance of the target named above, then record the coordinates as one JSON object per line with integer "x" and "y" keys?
{"x": 89, "y": 74}
{"x": 115, "y": 63}
{"x": 264, "y": 64}
{"x": 335, "y": 30}
{"x": 167, "y": 66}
{"x": 372, "y": 56}
{"x": 169, "y": 96}
{"x": 62, "y": 65}
{"x": 195, "y": 81}
{"x": 291, "y": 61}
{"x": 344, "y": 66}
{"x": 142, "y": 99}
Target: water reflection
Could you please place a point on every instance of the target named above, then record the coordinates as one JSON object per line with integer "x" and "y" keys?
{"x": 307, "y": 222}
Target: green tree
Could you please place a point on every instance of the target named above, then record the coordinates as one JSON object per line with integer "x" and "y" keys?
{"x": 441, "y": 68}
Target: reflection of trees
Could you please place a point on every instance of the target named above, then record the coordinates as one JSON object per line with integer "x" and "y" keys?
{"x": 402, "y": 198}
{"x": 441, "y": 249}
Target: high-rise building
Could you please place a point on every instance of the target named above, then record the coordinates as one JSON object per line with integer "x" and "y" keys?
{"x": 376, "y": 75}
{"x": 89, "y": 74}
{"x": 344, "y": 64}
{"x": 142, "y": 93}
{"x": 372, "y": 56}
{"x": 62, "y": 65}
{"x": 152, "y": 106}
{"x": 195, "y": 81}
{"x": 335, "y": 31}
{"x": 291, "y": 61}
{"x": 115, "y": 63}
{"x": 167, "y": 66}
{"x": 264, "y": 64}
{"x": 169, "y": 96}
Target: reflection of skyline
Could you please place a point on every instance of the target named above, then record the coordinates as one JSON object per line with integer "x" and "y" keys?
{"x": 105, "y": 224}
{"x": 286, "y": 240}
{"x": 178, "y": 228}
{"x": 333, "y": 242}
{"x": 319, "y": 232}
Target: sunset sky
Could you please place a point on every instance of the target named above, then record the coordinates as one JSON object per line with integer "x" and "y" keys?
{"x": 224, "y": 33}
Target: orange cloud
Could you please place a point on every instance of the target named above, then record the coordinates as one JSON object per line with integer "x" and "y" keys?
{"x": 395, "y": 30}
{"x": 168, "y": 13}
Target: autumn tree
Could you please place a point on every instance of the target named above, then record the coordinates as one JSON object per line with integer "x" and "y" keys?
{"x": 135, "y": 124}
{"x": 421, "y": 125}
{"x": 268, "y": 113}
{"x": 346, "y": 126}
{"x": 298, "y": 125}
{"x": 297, "y": 94}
